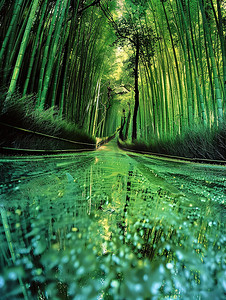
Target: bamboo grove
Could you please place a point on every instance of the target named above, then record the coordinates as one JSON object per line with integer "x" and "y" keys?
{"x": 181, "y": 64}
{"x": 174, "y": 77}
{"x": 55, "y": 50}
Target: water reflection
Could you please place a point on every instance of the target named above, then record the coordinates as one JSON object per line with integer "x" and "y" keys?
{"x": 105, "y": 225}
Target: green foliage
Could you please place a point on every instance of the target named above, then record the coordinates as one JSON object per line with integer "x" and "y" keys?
{"x": 131, "y": 28}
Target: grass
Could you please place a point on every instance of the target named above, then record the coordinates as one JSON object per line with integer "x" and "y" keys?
{"x": 200, "y": 142}
{"x": 20, "y": 112}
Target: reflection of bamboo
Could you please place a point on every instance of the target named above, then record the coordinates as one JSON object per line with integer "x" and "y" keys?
{"x": 128, "y": 196}
{"x": 90, "y": 190}
{"x": 147, "y": 242}
{"x": 3, "y": 250}
{"x": 204, "y": 227}
{"x": 7, "y": 234}
{"x": 10, "y": 245}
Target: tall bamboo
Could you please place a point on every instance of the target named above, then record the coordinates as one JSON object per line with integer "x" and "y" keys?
{"x": 223, "y": 45}
{"x": 201, "y": 100}
{"x": 214, "y": 67}
{"x": 45, "y": 55}
{"x": 35, "y": 46}
{"x": 23, "y": 46}
{"x": 54, "y": 48}
{"x": 16, "y": 13}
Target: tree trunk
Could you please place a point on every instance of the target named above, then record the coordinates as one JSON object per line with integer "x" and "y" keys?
{"x": 136, "y": 105}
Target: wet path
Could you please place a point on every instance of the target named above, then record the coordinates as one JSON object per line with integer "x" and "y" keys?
{"x": 111, "y": 225}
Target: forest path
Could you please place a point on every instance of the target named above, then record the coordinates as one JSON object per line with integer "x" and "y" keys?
{"x": 98, "y": 175}
{"x": 110, "y": 195}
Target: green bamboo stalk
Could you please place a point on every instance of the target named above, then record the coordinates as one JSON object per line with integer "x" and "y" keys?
{"x": 201, "y": 100}
{"x": 69, "y": 55}
{"x": 96, "y": 107}
{"x": 148, "y": 102}
{"x": 35, "y": 46}
{"x": 170, "y": 78}
{"x": 219, "y": 24}
{"x": 16, "y": 13}
{"x": 80, "y": 78}
{"x": 91, "y": 96}
{"x": 45, "y": 55}
{"x": 181, "y": 110}
{"x": 88, "y": 44}
{"x": 188, "y": 113}
{"x": 16, "y": 35}
{"x": 58, "y": 65}
{"x": 87, "y": 83}
{"x": 11, "y": 249}
{"x": 158, "y": 99}
{"x": 192, "y": 30}
{"x": 161, "y": 78}
{"x": 56, "y": 78}
{"x": 202, "y": 61}
{"x": 23, "y": 46}
{"x": 12, "y": 47}
{"x": 165, "y": 96}
{"x": 214, "y": 67}
{"x": 82, "y": 82}
{"x": 192, "y": 100}
{"x": 34, "y": 77}
{"x": 152, "y": 86}
{"x": 186, "y": 52}
{"x": 143, "y": 124}
{"x": 223, "y": 46}
{"x": 161, "y": 105}
{"x": 53, "y": 50}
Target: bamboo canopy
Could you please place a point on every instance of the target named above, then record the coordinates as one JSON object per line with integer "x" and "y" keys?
{"x": 168, "y": 78}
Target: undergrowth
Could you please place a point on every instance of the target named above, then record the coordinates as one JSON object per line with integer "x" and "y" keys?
{"x": 199, "y": 142}
{"x": 21, "y": 112}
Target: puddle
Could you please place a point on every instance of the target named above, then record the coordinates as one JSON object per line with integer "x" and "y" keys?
{"x": 107, "y": 226}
